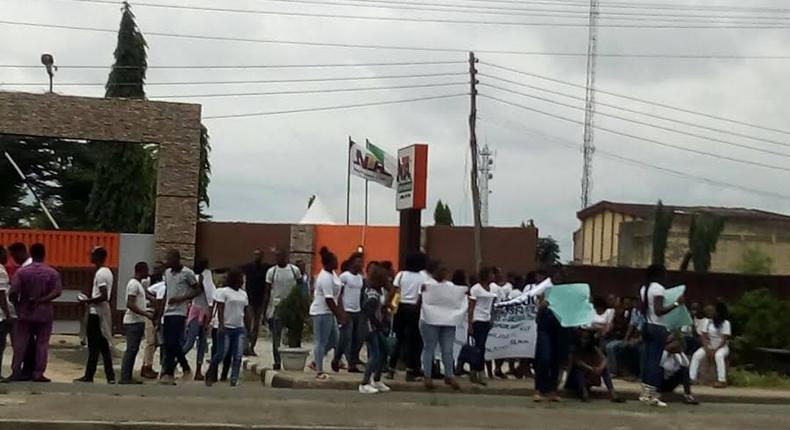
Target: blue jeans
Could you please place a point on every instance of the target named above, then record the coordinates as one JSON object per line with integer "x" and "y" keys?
{"x": 231, "y": 343}
{"x": 196, "y": 333}
{"x": 445, "y": 337}
{"x": 377, "y": 355}
{"x": 225, "y": 361}
{"x": 613, "y": 350}
{"x": 351, "y": 336}
{"x": 654, "y": 337}
{"x": 276, "y": 328}
{"x": 325, "y": 332}
{"x": 134, "y": 335}
{"x": 173, "y": 333}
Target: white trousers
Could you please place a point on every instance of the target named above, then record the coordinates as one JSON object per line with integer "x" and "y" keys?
{"x": 721, "y": 363}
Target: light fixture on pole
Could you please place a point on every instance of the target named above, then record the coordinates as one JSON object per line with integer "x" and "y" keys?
{"x": 49, "y": 63}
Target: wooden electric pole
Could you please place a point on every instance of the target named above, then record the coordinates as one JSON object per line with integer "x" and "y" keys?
{"x": 474, "y": 151}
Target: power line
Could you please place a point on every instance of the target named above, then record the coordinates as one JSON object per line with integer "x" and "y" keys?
{"x": 648, "y": 102}
{"x": 530, "y": 12}
{"x": 393, "y": 47}
{"x": 639, "y": 5}
{"x": 643, "y": 164}
{"x": 664, "y": 128}
{"x": 750, "y": 25}
{"x": 264, "y": 81}
{"x": 333, "y": 90}
{"x": 327, "y": 108}
{"x": 645, "y": 139}
{"x": 240, "y": 66}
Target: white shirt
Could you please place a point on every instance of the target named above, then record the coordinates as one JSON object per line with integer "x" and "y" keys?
{"x": 410, "y": 284}
{"x": 235, "y": 301}
{"x": 502, "y": 291}
{"x": 135, "y": 288}
{"x": 327, "y": 286}
{"x": 102, "y": 278}
{"x": 282, "y": 280}
{"x": 716, "y": 334}
{"x": 483, "y": 303}
{"x": 602, "y": 320}
{"x": 4, "y": 286}
{"x": 654, "y": 290}
{"x": 700, "y": 324}
{"x": 671, "y": 363}
{"x": 206, "y": 298}
{"x": 529, "y": 292}
{"x": 352, "y": 291}
{"x": 158, "y": 290}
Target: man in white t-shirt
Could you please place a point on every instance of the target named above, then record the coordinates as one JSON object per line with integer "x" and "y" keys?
{"x": 99, "y": 327}
{"x": 281, "y": 279}
{"x": 134, "y": 321}
{"x": 352, "y": 331}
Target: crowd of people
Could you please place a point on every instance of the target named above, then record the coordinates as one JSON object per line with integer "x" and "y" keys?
{"x": 356, "y": 305}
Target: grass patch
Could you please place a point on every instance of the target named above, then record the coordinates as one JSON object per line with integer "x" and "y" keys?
{"x": 751, "y": 379}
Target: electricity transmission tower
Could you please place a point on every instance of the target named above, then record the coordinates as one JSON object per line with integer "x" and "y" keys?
{"x": 589, "y": 105}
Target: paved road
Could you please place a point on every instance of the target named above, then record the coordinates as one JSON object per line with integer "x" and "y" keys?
{"x": 253, "y": 405}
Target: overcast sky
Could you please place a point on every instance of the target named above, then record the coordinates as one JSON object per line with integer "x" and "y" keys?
{"x": 266, "y": 167}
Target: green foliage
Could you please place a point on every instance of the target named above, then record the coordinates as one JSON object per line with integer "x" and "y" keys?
{"x": 755, "y": 262}
{"x": 760, "y": 319}
{"x": 442, "y": 215}
{"x": 293, "y": 312}
{"x": 739, "y": 377}
{"x": 127, "y": 77}
{"x": 704, "y": 234}
{"x": 548, "y": 251}
{"x": 662, "y": 223}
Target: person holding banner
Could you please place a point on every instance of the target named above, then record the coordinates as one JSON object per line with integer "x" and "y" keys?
{"x": 654, "y": 333}
{"x": 481, "y": 300}
{"x": 443, "y": 308}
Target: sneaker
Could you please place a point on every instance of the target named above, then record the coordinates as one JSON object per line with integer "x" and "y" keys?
{"x": 688, "y": 399}
{"x": 383, "y": 388}
{"x": 655, "y": 402}
{"x": 368, "y": 389}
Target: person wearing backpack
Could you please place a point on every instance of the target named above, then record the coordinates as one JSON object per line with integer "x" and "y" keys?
{"x": 280, "y": 280}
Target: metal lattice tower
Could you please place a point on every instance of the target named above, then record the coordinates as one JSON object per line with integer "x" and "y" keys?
{"x": 589, "y": 104}
{"x": 486, "y": 175}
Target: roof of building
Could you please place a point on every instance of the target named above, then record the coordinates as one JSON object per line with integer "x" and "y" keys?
{"x": 646, "y": 211}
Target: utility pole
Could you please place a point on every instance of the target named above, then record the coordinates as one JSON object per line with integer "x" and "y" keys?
{"x": 486, "y": 167}
{"x": 474, "y": 151}
{"x": 589, "y": 105}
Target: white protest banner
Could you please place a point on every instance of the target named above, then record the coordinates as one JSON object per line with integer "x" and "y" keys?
{"x": 513, "y": 332}
{"x": 444, "y": 304}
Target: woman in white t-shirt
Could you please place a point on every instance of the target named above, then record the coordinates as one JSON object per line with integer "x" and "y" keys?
{"x": 352, "y": 332}
{"x": 326, "y": 311}
{"x": 654, "y": 333}
{"x": 438, "y": 327}
{"x": 715, "y": 346}
{"x": 406, "y": 323}
{"x": 232, "y": 306}
{"x": 481, "y": 301}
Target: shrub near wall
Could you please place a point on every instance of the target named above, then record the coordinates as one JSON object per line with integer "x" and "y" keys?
{"x": 761, "y": 327}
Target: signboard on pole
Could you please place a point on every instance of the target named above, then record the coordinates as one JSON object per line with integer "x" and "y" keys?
{"x": 412, "y": 177}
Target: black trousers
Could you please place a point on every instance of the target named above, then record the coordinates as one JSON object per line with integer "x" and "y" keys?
{"x": 407, "y": 330}
{"x": 97, "y": 344}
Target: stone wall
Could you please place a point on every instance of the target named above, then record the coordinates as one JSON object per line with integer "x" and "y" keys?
{"x": 175, "y": 127}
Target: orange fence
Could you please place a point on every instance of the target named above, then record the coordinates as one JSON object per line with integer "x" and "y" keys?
{"x": 380, "y": 243}
{"x": 66, "y": 248}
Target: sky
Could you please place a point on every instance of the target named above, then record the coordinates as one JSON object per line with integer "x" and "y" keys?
{"x": 264, "y": 168}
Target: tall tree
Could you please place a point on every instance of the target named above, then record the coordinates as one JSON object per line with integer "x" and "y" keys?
{"x": 704, "y": 233}
{"x": 205, "y": 174}
{"x": 121, "y": 198}
{"x": 548, "y": 251}
{"x": 662, "y": 223}
{"x": 442, "y": 214}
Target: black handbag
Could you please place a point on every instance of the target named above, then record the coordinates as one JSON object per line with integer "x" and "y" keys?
{"x": 473, "y": 355}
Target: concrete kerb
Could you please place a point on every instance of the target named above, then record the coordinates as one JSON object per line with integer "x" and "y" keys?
{"x": 289, "y": 380}
{"x": 6, "y": 424}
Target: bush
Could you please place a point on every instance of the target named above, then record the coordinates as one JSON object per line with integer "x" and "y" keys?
{"x": 292, "y": 313}
{"x": 760, "y": 319}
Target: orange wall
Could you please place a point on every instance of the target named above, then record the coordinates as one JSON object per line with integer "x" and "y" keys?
{"x": 380, "y": 243}
{"x": 66, "y": 248}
